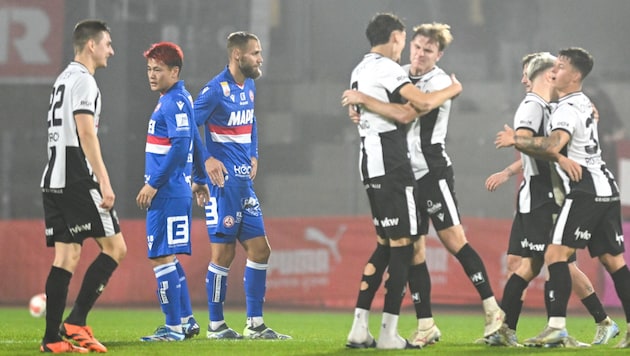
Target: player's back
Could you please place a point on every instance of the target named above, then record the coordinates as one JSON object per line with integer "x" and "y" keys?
{"x": 384, "y": 146}
{"x": 74, "y": 92}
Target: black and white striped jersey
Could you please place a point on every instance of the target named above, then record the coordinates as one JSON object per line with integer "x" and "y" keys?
{"x": 574, "y": 114}
{"x": 536, "y": 188}
{"x": 383, "y": 144}
{"x": 74, "y": 92}
{"x": 426, "y": 136}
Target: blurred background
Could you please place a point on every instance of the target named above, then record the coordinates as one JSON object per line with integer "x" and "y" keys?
{"x": 308, "y": 182}
{"x": 308, "y": 148}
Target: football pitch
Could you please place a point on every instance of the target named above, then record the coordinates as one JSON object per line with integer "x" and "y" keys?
{"x": 314, "y": 333}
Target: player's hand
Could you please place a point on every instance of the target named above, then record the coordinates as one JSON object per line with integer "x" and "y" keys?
{"x": 457, "y": 83}
{"x": 202, "y": 193}
{"x": 352, "y": 97}
{"x": 252, "y": 174}
{"x": 108, "y": 197}
{"x": 572, "y": 168}
{"x": 216, "y": 171}
{"x": 505, "y": 138}
{"x": 497, "y": 179}
{"x": 146, "y": 194}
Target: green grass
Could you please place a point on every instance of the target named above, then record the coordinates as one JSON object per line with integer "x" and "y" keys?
{"x": 314, "y": 333}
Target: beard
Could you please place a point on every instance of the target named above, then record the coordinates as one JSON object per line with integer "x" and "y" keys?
{"x": 250, "y": 71}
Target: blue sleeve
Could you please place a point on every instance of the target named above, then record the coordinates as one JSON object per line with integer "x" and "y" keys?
{"x": 200, "y": 176}
{"x": 204, "y": 105}
{"x": 254, "y": 146}
{"x": 178, "y": 152}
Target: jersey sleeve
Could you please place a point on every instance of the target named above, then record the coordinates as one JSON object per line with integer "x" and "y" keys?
{"x": 177, "y": 115}
{"x": 204, "y": 105}
{"x": 564, "y": 118}
{"x": 84, "y": 95}
{"x": 528, "y": 116}
{"x": 392, "y": 76}
{"x": 439, "y": 82}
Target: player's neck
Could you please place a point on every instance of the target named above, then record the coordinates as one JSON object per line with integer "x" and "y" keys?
{"x": 569, "y": 90}
{"x": 86, "y": 61}
{"x": 238, "y": 76}
{"x": 385, "y": 50}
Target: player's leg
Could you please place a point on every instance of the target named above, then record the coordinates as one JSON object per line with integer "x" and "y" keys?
{"x": 583, "y": 288}
{"x": 420, "y": 290}
{"x": 401, "y": 252}
{"x": 360, "y": 336}
{"x": 189, "y": 324}
{"x": 223, "y": 252}
{"x": 618, "y": 270}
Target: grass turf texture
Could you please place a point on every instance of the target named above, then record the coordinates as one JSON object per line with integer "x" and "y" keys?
{"x": 314, "y": 333}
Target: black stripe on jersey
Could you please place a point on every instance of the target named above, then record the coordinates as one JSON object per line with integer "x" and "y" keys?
{"x": 83, "y": 111}
{"x": 76, "y": 167}
{"x": 395, "y": 97}
{"x": 51, "y": 166}
{"x": 433, "y": 153}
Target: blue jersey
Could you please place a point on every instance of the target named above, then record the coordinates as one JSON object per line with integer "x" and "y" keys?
{"x": 169, "y": 145}
{"x": 226, "y": 110}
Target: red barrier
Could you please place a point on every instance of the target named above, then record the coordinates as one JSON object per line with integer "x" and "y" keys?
{"x": 315, "y": 262}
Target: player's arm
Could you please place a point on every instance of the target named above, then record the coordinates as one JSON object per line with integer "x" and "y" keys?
{"x": 495, "y": 180}
{"x": 254, "y": 150}
{"x": 92, "y": 150}
{"x": 425, "y": 102}
{"x": 204, "y": 106}
{"x": 546, "y": 148}
{"x": 403, "y": 113}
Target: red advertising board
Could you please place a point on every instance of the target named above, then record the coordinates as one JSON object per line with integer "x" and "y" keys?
{"x": 31, "y": 40}
{"x": 315, "y": 262}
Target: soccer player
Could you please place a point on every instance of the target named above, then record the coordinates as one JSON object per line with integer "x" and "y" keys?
{"x": 388, "y": 177}
{"x": 225, "y": 108}
{"x": 77, "y": 194}
{"x": 537, "y": 205}
{"x": 433, "y": 172}
{"x": 591, "y": 213}
{"x": 173, "y": 145}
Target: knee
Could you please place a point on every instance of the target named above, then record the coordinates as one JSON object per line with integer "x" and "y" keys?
{"x": 116, "y": 248}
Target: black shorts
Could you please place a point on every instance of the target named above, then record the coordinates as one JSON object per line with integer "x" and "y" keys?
{"x": 435, "y": 196}
{"x": 586, "y": 220}
{"x": 531, "y": 232}
{"x": 392, "y": 203}
{"x": 72, "y": 214}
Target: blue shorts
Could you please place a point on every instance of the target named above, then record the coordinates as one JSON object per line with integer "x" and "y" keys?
{"x": 168, "y": 227}
{"x": 233, "y": 213}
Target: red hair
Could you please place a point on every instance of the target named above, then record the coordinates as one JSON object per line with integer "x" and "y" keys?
{"x": 166, "y": 52}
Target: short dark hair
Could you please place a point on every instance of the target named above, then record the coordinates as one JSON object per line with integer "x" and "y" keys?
{"x": 381, "y": 27}
{"x": 579, "y": 58}
{"x": 87, "y": 30}
{"x": 239, "y": 39}
{"x": 166, "y": 52}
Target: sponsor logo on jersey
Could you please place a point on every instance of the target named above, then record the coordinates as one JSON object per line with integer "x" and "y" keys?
{"x": 226, "y": 88}
{"x": 182, "y": 120}
{"x": 582, "y": 235}
{"x": 389, "y": 222}
{"x": 180, "y": 104}
{"x": 251, "y": 205}
{"x": 228, "y": 221}
{"x": 241, "y": 117}
{"x": 532, "y": 246}
{"x": 243, "y": 170}
{"x": 242, "y": 98}
{"x": 80, "y": 228}
{"x": 251, "y": 96}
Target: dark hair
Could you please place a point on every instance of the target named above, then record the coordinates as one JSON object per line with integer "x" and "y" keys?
{"x": 381, "y": 27}
{"x": 166, "y": 52}
{"x": 87, "y": 30}
{"x": 579, "y": 58}
{"x": 239, "y": 40}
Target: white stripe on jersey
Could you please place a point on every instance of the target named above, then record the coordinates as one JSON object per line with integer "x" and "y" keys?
{"x": 411, "y": 209}
{"x": 450, "y": 202}
{"x": 561, "y": 221}
{"x": 106, "y": 216}
{"x": 158, "y": 149}
{"x": 373, "y": 148}
{"x": 244, "y": 138}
